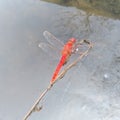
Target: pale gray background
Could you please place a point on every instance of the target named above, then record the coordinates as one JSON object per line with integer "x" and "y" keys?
{"x": 89, "y": 91}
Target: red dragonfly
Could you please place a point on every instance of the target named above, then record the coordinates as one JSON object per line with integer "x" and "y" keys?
{"x": 54, "y": 44}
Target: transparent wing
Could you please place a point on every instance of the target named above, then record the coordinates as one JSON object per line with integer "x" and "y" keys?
{"x": 50, "y": 50}
{"x": 51, "y": 46}
{"x": 52, "y": 40}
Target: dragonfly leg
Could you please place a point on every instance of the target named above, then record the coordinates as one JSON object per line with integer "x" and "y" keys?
{"x": 65, "y": 62}
{"x": 78, "y": 48}
{"x": 75, "y": 49}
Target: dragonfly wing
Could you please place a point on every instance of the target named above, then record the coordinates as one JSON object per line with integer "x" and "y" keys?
{"x": 52, "y": 40}
{"x": 49, "y": 50}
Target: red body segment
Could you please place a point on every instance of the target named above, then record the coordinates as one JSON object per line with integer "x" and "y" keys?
{"x": 66, "y": 53}
{"x": 59, "y": 66}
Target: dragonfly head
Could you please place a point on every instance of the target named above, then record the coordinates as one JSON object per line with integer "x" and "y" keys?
{"x": 73, "y": 40}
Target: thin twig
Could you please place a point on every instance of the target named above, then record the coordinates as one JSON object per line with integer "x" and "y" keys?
{"x": 61, "y": 75}
{"x": 33, "y": 108}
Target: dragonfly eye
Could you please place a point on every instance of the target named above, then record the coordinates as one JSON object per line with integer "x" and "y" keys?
{"x": 73, "y": 40}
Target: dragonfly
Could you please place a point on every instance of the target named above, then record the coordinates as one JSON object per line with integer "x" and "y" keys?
{"x": 54, "y": 44}
{"x": 70, "y": 47}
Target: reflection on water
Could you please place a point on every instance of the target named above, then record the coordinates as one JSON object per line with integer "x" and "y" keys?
{"x": 110, "y": 8}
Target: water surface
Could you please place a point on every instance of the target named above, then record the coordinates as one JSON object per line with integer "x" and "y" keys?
{"x": 90, "y": 92}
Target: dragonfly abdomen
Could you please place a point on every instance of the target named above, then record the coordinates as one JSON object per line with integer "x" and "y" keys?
{"x": 59, "y": 66}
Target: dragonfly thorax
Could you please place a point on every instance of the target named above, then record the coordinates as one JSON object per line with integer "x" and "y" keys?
{"x": 68, "y": 47}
